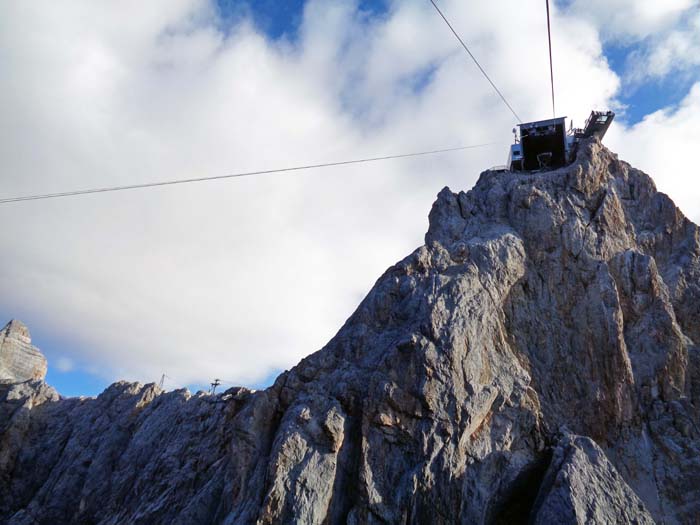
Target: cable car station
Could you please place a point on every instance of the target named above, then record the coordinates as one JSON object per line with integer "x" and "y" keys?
{"x": 546, "y": 144}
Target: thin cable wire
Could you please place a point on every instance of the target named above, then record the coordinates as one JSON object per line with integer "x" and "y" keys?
{"x": 551, "y": 67}
{"x": 234, "y": 175}
{"x": 476, "y": 61}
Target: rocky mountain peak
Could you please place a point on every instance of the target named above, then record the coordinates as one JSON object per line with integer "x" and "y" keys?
{"x": 19, "y": 360}
{"x": 535, "y": 361}
{"x": 18, "y": 330}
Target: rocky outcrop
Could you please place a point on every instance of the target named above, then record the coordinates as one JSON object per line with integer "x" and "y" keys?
{"x": 536, "y": 360}
{"x": 582, "y": 486}
{"x": 19, "y": 360}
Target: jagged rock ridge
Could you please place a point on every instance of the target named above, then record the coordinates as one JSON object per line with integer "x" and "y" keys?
{"x": 535, "y": 360}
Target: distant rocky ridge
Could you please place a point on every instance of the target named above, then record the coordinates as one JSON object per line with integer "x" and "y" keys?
{"x": 19, "y": 360}
{"x": 535, "y": 361}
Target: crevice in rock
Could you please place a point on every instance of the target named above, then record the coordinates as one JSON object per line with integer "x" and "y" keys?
{"x": 516, "y": 506}
{"x": 347, "y": 480}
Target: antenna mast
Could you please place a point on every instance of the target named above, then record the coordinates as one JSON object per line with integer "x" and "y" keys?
{"x": 214, "y": 384}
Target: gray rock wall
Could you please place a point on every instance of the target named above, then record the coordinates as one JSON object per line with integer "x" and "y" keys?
{"x": 536, "y": 360}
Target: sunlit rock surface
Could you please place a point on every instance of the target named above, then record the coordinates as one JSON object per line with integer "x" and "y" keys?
{"x": 19, "y": 360}
{"x": 535, "y": 361}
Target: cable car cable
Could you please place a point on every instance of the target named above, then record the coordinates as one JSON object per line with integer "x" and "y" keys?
{"x": 234, "y": 175}
{"x": 551, "y": 67}
{"x": 476, "y": 61}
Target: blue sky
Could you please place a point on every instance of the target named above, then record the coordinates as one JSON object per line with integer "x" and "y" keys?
{"x": 80, "y": 380}
{"x": 83, "y": 382}
{"x": 83, "y": 379}
{"x": 190, "y": 282}
{"x": 650, "y": 96}
{"x": 281, "y": 19}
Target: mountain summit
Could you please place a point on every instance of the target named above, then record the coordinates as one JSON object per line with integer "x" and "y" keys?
{"x": 535, "y": 361}
{"x": 19, "y": 360}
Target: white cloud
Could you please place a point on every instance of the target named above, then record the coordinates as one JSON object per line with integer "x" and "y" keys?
{"x": 628, "y": 20}
{"x": 235, "y": 279}
{"x": 676, "y": 51}
{"x": 662, "y": 37}
{"x": 663, "y": 145}
{"x": 64, "y": 364}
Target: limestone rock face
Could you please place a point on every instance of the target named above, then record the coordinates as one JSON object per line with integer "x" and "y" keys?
{"x": 19, "y": 360}
{"x": 582, "y": 486}
{"x": 536, "y": 360}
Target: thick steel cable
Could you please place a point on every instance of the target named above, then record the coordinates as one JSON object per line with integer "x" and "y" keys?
{"x": 476, "y": 61}
{"x": 551, "y": 67}
{"x": 233, "y": 175}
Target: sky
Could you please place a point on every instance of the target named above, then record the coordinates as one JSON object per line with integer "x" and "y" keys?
{"x": 239, "y": 279}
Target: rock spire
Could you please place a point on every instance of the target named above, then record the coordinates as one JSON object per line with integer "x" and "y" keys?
{"x": 19, "y": 360}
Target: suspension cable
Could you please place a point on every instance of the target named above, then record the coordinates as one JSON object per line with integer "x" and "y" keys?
{"x": 235, "y": 175}
{"x": 551, "y": 67}
{"x": 476, "y": 61}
